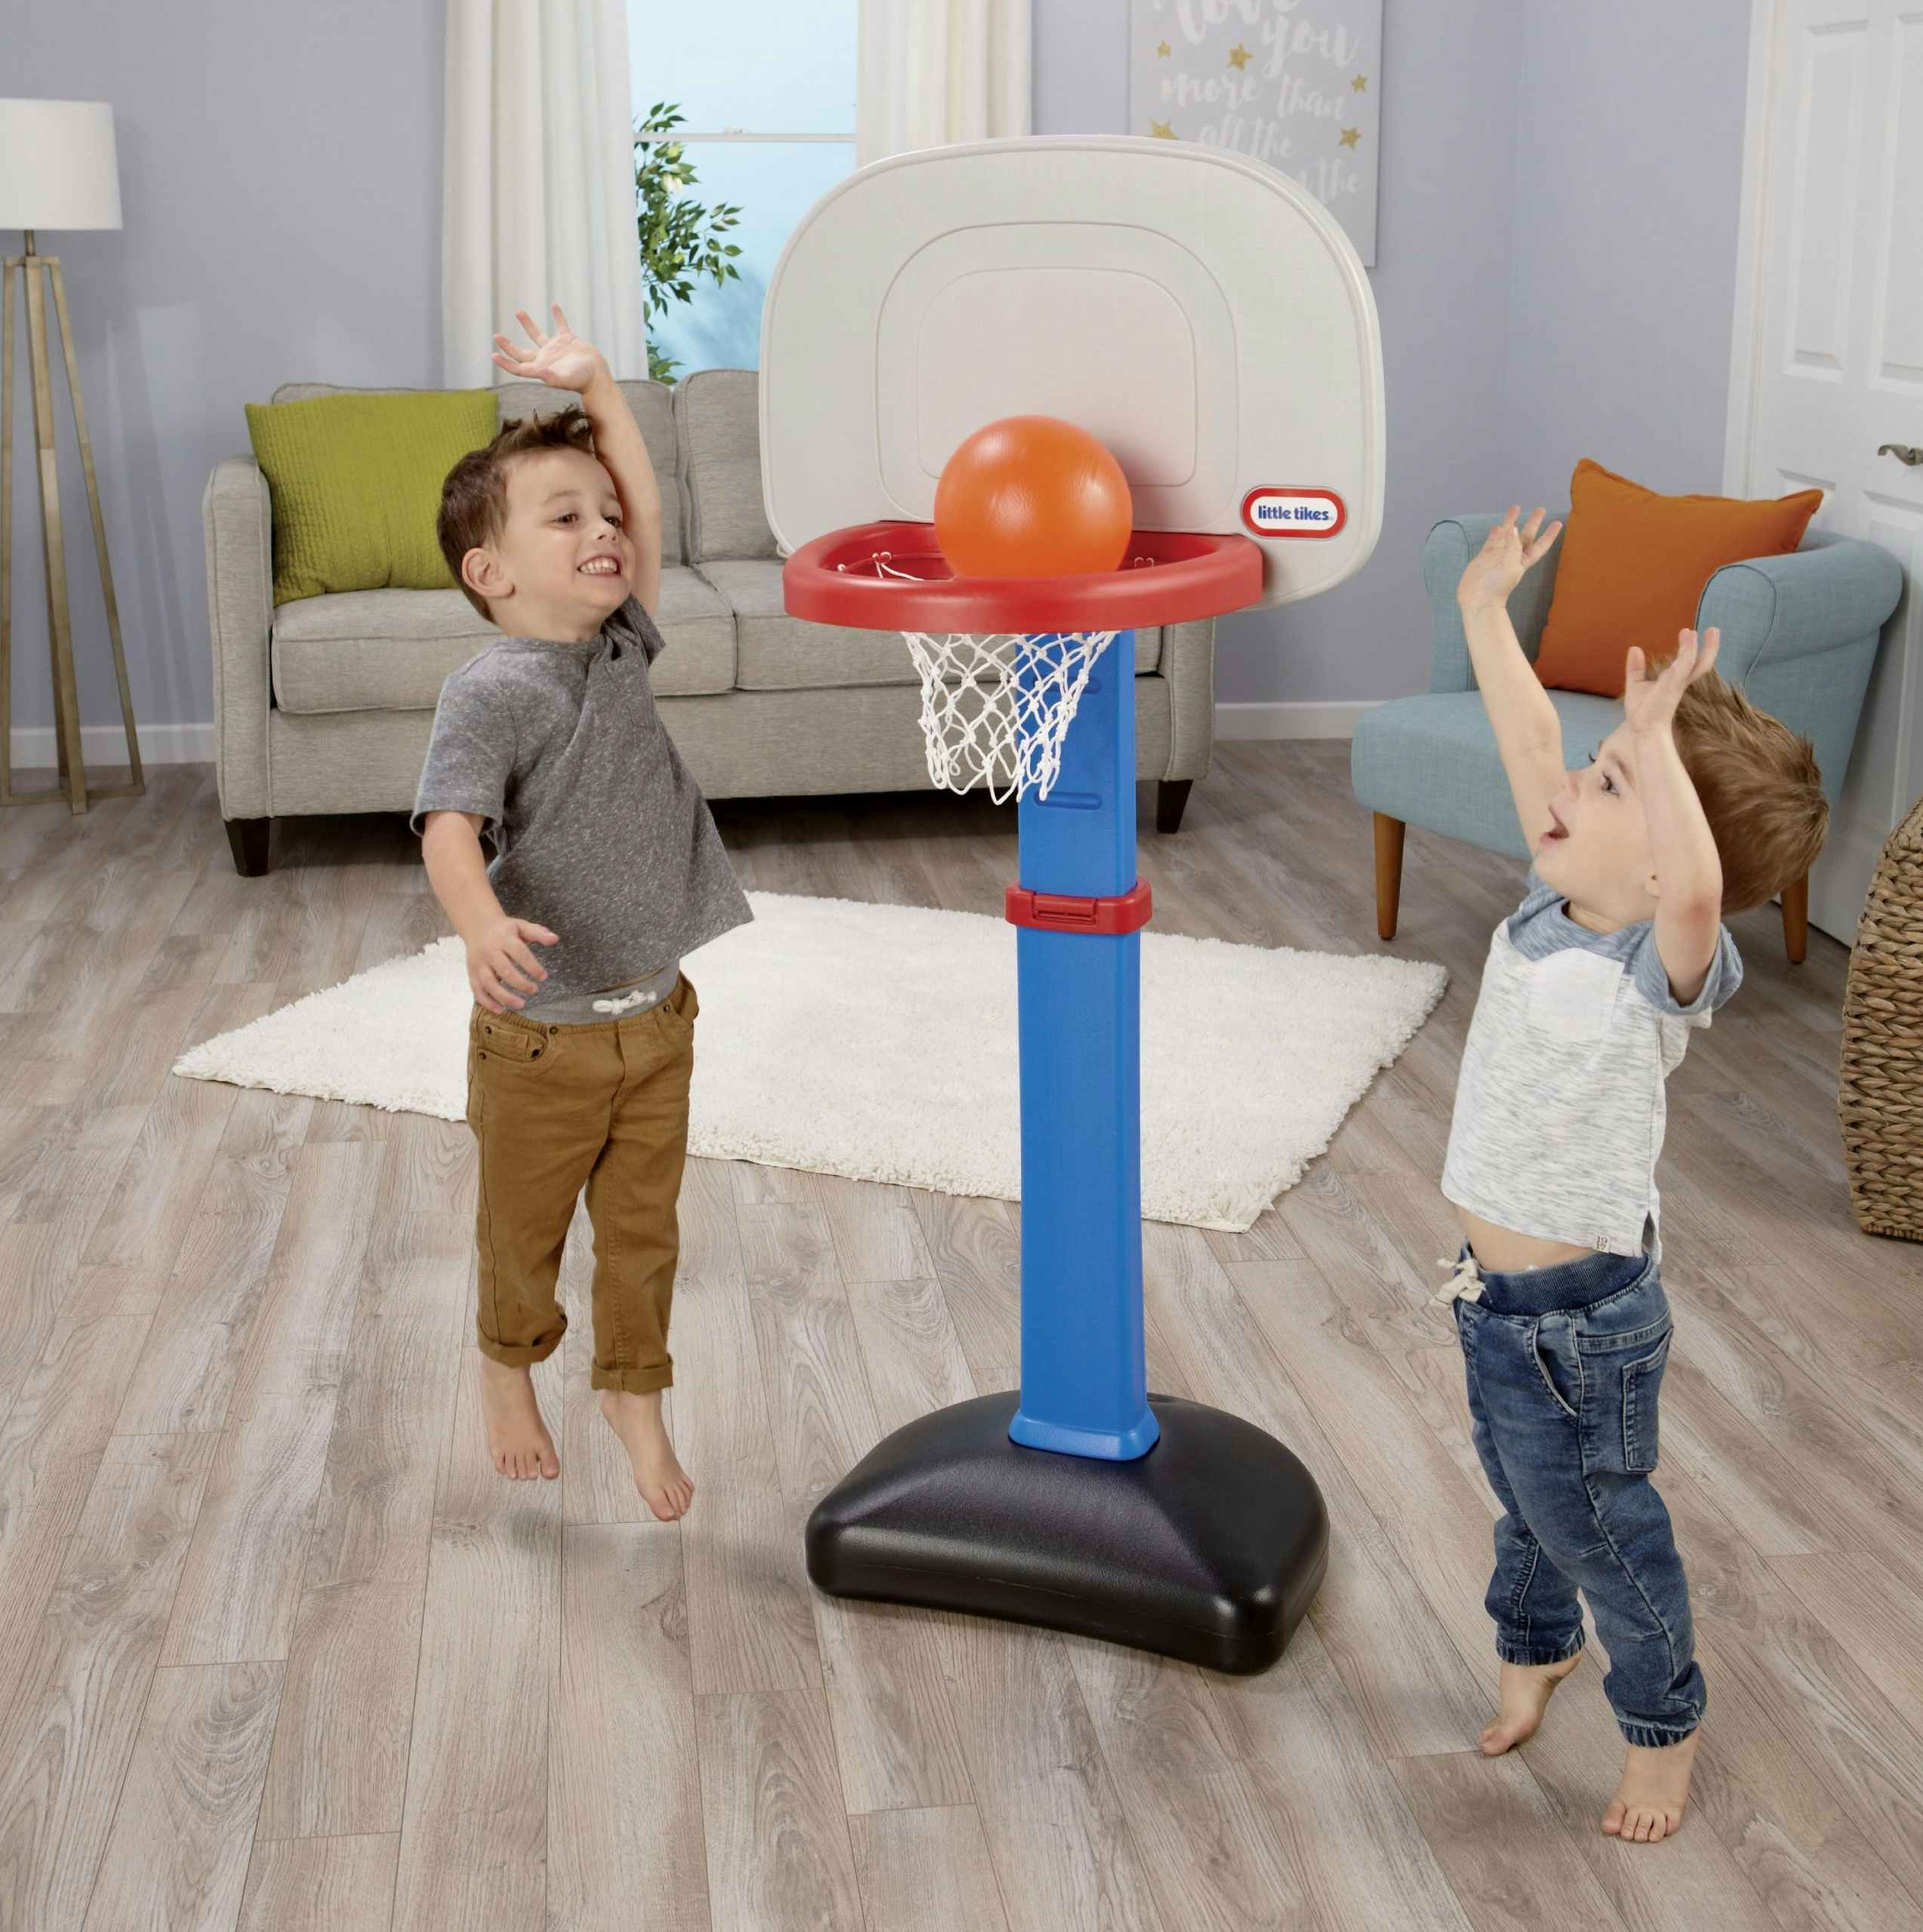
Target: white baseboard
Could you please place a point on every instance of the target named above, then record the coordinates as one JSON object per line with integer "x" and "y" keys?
{"x": 1290, "y": 721}
{"x": 32, "y": 747}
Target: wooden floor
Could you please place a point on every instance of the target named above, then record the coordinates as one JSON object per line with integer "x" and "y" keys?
{"x": 278, "y": 1649}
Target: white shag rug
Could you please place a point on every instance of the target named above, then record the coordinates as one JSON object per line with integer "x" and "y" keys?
{"x": 879, "y": 1042}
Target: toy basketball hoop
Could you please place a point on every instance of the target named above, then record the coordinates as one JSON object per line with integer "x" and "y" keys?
{"x": 1004, "y": 662}
{"x": 1210, "y": 324}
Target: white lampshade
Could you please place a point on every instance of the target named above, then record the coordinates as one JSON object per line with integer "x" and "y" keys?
{"x": 57, "y": 168}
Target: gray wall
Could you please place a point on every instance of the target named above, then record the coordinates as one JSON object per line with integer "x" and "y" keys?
{"x": 1628, "y": 185}
{"x": 280, "y": 177}
{"x": 1554, "y": 277}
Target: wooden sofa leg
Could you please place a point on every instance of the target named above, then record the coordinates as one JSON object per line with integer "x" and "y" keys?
{"x": 1171, "y": 801}
{"x": 1388, "y": 873}
{"x": 248, "y": 839}
{"x": 1796, "y": 920}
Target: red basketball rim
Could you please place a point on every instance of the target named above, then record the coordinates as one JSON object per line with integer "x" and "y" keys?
{"x": 841, "y": 579}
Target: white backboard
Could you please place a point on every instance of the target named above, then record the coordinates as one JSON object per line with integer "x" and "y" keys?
{"x": 1203, "y": 316}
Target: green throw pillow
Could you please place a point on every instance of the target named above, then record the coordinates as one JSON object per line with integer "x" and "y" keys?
{"x": 355, "y": 482}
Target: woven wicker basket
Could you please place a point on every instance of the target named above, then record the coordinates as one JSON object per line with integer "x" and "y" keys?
{"x": 1879, "y": 1098}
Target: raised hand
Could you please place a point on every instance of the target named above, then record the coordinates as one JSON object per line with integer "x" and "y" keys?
{"x": 561, "y": 359}
{"x": 1649, "y": 703}
{"x": 1498, "y": 567}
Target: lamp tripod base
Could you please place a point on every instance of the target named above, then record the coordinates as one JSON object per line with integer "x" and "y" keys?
{"x": 39, "y": 272}
{"x": 1209, "y": 1548}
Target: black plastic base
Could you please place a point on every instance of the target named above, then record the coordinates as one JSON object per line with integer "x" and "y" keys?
{"x": 1209, "y": 1548}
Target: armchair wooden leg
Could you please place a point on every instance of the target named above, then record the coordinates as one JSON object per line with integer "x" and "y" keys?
{"x": 246, "y": 837}
{"x": 1388, "y": 873}
{"x": 1171, "y": 801}
{"x": 1796, "y": 920}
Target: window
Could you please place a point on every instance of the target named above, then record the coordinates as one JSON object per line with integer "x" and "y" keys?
{"x": 766, "y": 88}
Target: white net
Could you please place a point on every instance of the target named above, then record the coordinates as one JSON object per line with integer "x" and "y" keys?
{"x": 996, "y": 708}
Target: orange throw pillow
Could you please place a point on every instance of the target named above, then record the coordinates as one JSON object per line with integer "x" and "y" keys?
{"x": 1632, "y": 568}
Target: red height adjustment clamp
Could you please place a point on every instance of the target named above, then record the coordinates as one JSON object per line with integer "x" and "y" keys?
{"x": 1056, "y": 913}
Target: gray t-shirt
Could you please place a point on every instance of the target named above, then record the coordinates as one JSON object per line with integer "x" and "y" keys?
{"x": 599, "y": 832}
{"x": 1560, "y": 1107}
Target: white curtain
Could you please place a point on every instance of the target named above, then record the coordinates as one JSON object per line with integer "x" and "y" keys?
{"x": 931, "y": 72}
{"x": 538, "y": 198}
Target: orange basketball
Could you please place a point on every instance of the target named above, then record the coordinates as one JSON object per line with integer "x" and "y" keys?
{"x": 1032, "y": 496}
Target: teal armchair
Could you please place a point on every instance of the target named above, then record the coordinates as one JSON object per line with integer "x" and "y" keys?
{"x": 1799, "y": 636}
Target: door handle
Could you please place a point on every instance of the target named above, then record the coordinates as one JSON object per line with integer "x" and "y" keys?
{"x": 1902, "y": 452}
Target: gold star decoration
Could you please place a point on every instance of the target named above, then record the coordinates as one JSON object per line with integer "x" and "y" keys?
{"x": 1360, "y": 84}
{"x": 1239, "y": 57}
{"x": 1162, "y": 130}
{"x": 1350, "y": 136}
{"x": 1164, "y": 50}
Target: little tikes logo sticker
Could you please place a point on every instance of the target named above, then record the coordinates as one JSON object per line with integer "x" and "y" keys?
{"x": 1279, "y": 511}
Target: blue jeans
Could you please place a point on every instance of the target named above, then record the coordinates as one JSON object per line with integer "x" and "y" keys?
{"x": 1564, "y": 1365}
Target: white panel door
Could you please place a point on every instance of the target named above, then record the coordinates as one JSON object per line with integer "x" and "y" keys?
{"x": 1828, "y": 361}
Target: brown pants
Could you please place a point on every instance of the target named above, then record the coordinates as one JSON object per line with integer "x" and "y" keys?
{"x": 555, "y": 1109}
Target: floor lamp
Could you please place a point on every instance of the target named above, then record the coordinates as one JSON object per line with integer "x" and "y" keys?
{"x": 57, "y": 170}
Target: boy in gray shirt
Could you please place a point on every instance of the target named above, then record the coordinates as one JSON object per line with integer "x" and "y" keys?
{"x": 1696, "y": 805}
{"x": 547, "y": 745}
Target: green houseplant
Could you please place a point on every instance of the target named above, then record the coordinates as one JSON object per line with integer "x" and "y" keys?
{"x": 682, "y": 241}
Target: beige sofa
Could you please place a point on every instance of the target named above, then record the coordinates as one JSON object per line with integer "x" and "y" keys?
{"x": 325, "y": 705}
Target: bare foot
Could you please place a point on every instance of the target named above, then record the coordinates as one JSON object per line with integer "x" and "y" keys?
{"x": 665, "y": 1486}
{"x": 517, "y": 1438}
{"x": 1648, "y": 1805}
{"x": 1526, "y": 1691}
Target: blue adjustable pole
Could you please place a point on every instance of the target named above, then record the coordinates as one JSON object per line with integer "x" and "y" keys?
{"x": 1084, "y": 1374}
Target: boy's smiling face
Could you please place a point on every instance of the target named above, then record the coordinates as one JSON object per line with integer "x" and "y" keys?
{"x": 1596, "y": 852}
{"x": 562, "y": 563}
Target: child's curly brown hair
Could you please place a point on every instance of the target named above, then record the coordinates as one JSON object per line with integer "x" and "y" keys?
{"x": 1760, "y": 789}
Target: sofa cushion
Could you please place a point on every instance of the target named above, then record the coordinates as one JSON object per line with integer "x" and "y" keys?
{"x": 372, "y": 650}
{"x": 391, "y": 650}
{"x": 355, "y": 483}
{"x": 653, "y": 404}
{"x": 1633, "y": 566}
{"x": 1431, "y": 761}
{"x": 777, "y": 653}
{"x": 718, "y": 419}
{"x": 700, "y": 628}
